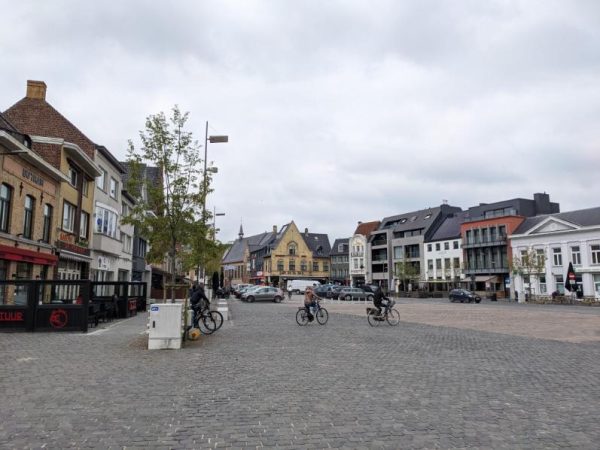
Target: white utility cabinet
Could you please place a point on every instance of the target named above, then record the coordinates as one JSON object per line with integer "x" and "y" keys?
{"x": 165, "y": 325}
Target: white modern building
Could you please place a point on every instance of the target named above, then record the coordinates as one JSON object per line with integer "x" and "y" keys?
{"x": 569, "y": 237}
{"x": 444, "y": 255}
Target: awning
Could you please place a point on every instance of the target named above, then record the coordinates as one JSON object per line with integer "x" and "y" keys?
{"x": 65, "y": 254}
{"x": 21, "y": 254}
{"x": 486, "y": 278}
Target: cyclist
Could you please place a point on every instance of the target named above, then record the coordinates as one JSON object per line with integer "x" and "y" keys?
{"x": 199, "y": 301}
{"x": 380, "y": 301}
{"x": 310, "y": 300}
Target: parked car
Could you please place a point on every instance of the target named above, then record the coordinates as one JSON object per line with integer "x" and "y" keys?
{"x": 369, "y": 287}
{"x": 240, "y": 290}
{"x": 263, "y": 293}
{"x": 325, "y": 291}
{"x": 335, "y": 291}
{"x": 352, "y": 293}
{"x": 462, "y": 295}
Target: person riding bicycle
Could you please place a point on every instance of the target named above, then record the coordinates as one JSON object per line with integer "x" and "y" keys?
{"x": 199, "y": 301}
{"x": 310, "y": 300}
{"x": 380, "y": 301}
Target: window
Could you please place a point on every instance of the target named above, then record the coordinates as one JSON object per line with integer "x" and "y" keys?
{"x": 455, "y": 245}
{"x": 280, "y": 265}
{"x": 595, "y": 250}
{"x": 430, "y": 265}
{"x": 47, "y": 227}
{"x": 106, "y": 222}
{"x": 543, "y": 288}
{"x": 28, "y": 217}
{"x": 325, "y": 266}
{"x": 576, "y": 255}
{"x": 101, "y": 180}
{"x": 68, "y": 217}
{"x": 303, "y": 266}
{"x": 292, "y": 249}
{"x": 5, "y": 199}
{"x": 438, "y": 264}
{"x": 597, "y": 284}
{"x": 437, "y": 247}
{"x": 83, "y": 225}
{"x": 446, "y": 245}
{"x": 126, "y": 243}
{"x": 456, "y": 263}
{"x": 315, "y": 266}
{"x": 85, "y": 187}
{"x": 428, "y": 247}
{"x": 125, "y": 210}
{"x": 142, "y": 248}
{"x": 398, "y": 252}
{"x": 72, "y": 177}
{"x": 560, "y": 284}
{"x": 540, "y": 255}
{"x": 502, "y": 232}
{"x": 292, "y": 265}
{"x": 114, "y": 187}
{"x": 557, "y": 256}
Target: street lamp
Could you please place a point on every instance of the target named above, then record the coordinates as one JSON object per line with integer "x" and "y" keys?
{"x": 212, "y": 140}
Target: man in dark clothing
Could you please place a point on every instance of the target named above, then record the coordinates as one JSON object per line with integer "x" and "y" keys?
{"x": 199, "y": 298}
{"x": 379, "y": 300}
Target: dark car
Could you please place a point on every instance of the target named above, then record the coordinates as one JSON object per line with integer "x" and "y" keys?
{"x": 462, "y": 295}
{"x": 325, "y": 291}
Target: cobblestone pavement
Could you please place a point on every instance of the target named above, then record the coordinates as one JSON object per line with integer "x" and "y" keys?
{"x": 263, "y": 381}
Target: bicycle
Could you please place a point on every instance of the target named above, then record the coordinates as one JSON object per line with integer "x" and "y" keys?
{"x": 320, "y": 314}
{"x": 205, "y": 320}
{"x": 389, "y": 315}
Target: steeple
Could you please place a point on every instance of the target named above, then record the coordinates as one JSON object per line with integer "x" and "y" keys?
{"x": 241, "y": 233}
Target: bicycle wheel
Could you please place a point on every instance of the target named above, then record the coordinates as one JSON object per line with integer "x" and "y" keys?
{"x": 393, "y": 317}
{"x": 301, "y": 317}
{"x": 207, "y": 325}
{"x": 373, "y": 319}
{"x": 217, "y": 317}
{"x": 322, "y": 316}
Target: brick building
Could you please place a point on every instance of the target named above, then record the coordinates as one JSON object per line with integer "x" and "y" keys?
{"x": 29, "y": 188}
{"x": 68, "y": 150}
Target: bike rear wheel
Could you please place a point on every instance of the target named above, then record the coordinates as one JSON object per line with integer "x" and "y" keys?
{"x": 301, "y": 317}
{"x": 322, "y": 316}
{"x": 393, "y": 317}
{"x": 374, "y": 319}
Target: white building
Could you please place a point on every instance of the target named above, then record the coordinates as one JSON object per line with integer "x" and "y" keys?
{"x": 107, "y": 248}
{"x": 569, "y": 237}
{"x": 444, "y": 255}
{"x": 359, "y": 260}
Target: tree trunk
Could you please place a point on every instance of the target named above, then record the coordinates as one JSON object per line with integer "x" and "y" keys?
{"x": 173, "y": 273}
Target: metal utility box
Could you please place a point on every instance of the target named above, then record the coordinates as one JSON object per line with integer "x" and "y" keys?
{"x": 165, "y": 325}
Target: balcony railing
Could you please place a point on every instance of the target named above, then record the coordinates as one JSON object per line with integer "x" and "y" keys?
{"x": 357, "y": 254}
{"x": 500, "y": 240}
{"x": 485, "y": 270}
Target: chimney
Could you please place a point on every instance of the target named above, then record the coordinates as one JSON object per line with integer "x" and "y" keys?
{"x": 359, "y": 222}
{"x": 274, "y": 229}
{"x": 36, "y": 89}
{"x": 306, "y": 231}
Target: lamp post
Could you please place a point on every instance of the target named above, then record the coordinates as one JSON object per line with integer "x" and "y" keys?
{"x": 215, "y": 214}
{"x": 212, "y": 140}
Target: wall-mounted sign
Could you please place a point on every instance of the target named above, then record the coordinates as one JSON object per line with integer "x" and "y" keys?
{"x": 36, "y": 179}
{"x": 12, "y": 316}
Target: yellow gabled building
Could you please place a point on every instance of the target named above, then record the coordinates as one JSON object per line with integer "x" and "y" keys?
{"x": 293, "y": 255}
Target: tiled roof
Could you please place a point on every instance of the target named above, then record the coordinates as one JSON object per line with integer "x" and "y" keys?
{"x": 422, "y": 219}
{"x": 37, "y": 117}
{"x": 337, "y": 243}
{"x": 316, "y": 242}
{"x": 582, "y": 217}
{"x": 236, "y": 251}
{"x": 366, "y": 228}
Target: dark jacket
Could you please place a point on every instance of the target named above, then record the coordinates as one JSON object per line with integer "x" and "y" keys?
{"x": 198, "y": 295}
{"x": 378, "y": 296}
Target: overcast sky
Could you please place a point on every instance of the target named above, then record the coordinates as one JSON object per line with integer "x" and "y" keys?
{"x": 336, "y": 111}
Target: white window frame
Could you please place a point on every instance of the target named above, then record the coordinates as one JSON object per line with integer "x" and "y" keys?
{"x": 595, "y": 254}
{"x": 557, "y": 257}
{"x": 576, "y": 255}
{"x": 101, "y": 180}
{"x": 113, "y": 190}
{"x": 84, "y": 220}
{"x": 69, "y": 212}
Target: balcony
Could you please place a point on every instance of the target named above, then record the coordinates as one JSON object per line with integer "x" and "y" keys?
{"x": 475, "y": 243}
{"x": 357, "y": 254}
{"x": 474, "y": 271}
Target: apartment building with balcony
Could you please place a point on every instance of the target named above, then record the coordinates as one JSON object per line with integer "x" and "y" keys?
{"x": 485, "y": 236}
{"x": 396, "y": 248}
{"x": 560, "y": 239}
{"x": 339, "y": 262}
{"x": 360, "y": 262}
{"x": 444, "y": 255}
{"x": 67, "y": 149}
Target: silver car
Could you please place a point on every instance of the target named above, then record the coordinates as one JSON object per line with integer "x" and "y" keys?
{"x": 351, "y": 293}
{"x": 272, "y": 294}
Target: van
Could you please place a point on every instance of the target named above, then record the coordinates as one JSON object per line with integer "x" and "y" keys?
{"x": 299, "y": 286}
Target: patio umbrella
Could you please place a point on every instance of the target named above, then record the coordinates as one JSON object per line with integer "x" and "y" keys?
{"x": 571, "y": 284}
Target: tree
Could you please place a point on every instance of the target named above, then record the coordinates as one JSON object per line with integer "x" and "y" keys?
{"x": 169, "y": 211}
{"x": 530, "y": 263}
{"x": 407, "y": 272}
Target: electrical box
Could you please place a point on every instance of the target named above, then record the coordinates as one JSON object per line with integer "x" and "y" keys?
{"x": 165, "y": 325}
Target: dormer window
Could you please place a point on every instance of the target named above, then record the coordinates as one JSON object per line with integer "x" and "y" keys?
{"x": 292, "y": 249}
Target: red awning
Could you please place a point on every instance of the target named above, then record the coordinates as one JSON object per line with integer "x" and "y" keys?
{"x": 21, "y": 254}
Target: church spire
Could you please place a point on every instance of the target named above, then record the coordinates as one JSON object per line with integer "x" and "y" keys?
{"x": 241, "y": 233}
